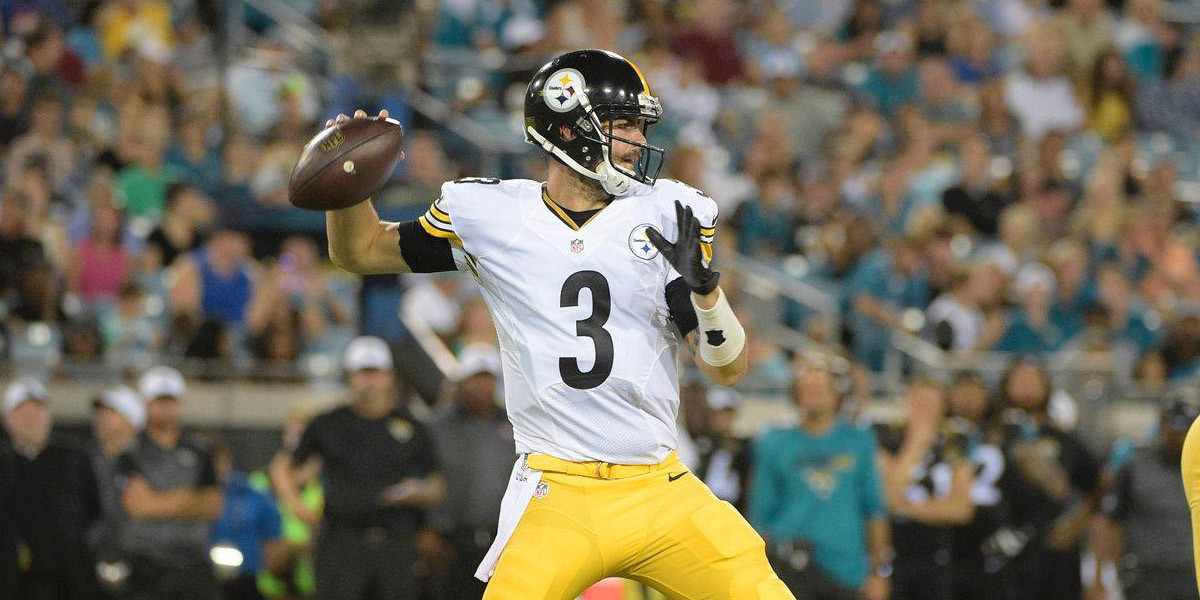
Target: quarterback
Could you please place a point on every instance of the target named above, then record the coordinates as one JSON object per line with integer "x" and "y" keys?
{"x": 592, "y": 302}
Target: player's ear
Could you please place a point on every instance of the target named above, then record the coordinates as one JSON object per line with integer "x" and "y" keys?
{"x": 565, "y": 132}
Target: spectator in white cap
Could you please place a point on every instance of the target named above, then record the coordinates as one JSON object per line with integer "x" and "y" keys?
{"x": 171, "y": 496}
{"x": 475, "y": 442}
{"x": 381, "y": 470}
{"x": 118, "y": 415}
{"x": 26, "y": 418}
{"x": 52, "y": 503}
{"x": 724, "y": 458}
{"x": 1031, "y": 328}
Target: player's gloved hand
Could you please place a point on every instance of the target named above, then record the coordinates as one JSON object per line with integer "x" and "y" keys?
{"x": 685, "y": 254}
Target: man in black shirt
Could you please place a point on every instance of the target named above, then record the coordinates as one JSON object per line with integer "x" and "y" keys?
{"x": 19, "y": 252}
{"x": 474, "y": 440}
{"x": 1145, "y": 513}
{"x": 984, "y": 547}
{"x": 1056, "y": 493}
{"x": 381, "y": 469}
{"x": 53, "y": 501}
{"x": 928, "y": 478}
{"x": 169, "y": 490}
{"x": 975, "y": 197}
{"x": 118, "y": 415}
{"x": 724, "y": 457}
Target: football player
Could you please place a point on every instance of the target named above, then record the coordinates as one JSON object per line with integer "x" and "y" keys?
{"x": 595, "y": 280}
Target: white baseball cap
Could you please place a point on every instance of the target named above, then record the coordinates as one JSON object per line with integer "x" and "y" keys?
{"x": 367, "y": 352}
{"x": 476, "y": 359}
{"x": 125, "y": 401}
{"x": 162, "y": 381}
{"x": 22, "y": 390}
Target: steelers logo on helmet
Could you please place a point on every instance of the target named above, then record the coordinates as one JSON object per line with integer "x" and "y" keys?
{"x": 639, "y": 242}
{"x": 563, "y": 89}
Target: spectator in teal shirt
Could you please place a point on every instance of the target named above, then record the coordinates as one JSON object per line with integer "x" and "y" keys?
{"x": 893, "y": 83}
{"x": 881, "y": 285}
{"x": 817, "y": 498}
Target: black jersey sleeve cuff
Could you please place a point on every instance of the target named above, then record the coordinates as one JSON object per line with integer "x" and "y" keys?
{"x": 422, "y": 252}
{"x": 679, "y": 305}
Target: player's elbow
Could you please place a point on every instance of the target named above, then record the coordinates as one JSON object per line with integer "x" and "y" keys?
{"x": 344, "y": 256}
{"x": 342, "y": 259}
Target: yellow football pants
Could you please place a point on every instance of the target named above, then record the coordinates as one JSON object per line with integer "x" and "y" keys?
{"x": 657, "y": 524}
{"x": 1190, "y": 470}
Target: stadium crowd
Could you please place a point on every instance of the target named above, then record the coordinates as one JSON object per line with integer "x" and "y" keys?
{"x": 1017, "y": 176}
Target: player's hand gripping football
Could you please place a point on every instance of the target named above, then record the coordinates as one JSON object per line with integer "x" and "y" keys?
{"x": 685, "y": 254}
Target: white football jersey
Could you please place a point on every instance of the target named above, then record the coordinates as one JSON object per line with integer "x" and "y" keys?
{"x": 590, "y": 357}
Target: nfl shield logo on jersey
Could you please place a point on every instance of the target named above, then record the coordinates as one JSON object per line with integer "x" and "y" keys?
{"x": 576, "y": 246}
{"x": 639, "y": 243}
{"x": 542, "y": 490}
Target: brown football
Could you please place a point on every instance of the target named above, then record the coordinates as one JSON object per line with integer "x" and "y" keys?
{"x": 345, "y": 164}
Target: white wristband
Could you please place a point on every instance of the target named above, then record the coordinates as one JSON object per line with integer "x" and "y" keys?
{"x": 721, "y": 335}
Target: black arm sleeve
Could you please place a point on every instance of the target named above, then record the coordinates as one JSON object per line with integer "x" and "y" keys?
{"x": 424, "y": 253}
{"x": 679, "y": 303}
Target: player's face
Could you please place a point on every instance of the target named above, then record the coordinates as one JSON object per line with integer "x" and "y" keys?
{"x": 627, "y": 128}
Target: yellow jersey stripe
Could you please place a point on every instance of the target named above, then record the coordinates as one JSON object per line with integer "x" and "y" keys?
{"x": 706, "y": 250}
{"x": 562, "y": 215}
{"x": 438, "y": 224}
{"x": 558, "y": 212}
{"x": 440, "y": 233}
{"x": 439, "y": 213}
{"x": 708, "y": 230}
{"x": 432, "y": 216}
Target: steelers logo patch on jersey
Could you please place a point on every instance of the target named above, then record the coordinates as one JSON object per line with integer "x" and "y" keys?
{"x": 639, "y": 243}
{"x": 562, "y": 90}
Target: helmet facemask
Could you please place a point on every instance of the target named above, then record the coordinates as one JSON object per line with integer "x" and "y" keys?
{"x": 597, "y": 128}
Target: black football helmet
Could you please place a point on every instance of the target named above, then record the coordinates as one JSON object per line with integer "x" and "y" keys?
{"x": 585, "y": 90}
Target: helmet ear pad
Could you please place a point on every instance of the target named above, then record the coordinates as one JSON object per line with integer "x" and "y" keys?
{"x": 578, "y": 143}
{"x": 586, "y": 146}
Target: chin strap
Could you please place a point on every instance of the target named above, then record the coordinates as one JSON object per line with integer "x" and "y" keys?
{"x": 614, "y": 181}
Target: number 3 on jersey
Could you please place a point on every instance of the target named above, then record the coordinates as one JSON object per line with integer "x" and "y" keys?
{"x": 591, "y": 327}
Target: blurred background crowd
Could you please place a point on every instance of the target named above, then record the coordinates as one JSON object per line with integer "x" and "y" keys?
{"x": 981, "y": 214}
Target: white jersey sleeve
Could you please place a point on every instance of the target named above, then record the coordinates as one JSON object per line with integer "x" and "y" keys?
{"x": 704, "y": 207}
{"x": 480, "y": 215}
